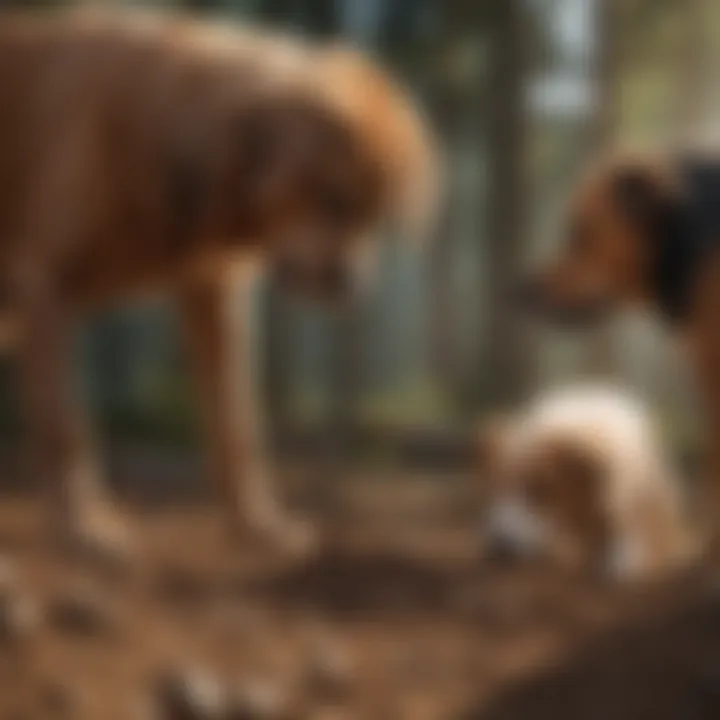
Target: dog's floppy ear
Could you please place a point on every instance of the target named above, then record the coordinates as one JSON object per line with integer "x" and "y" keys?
{"x": 269, "y": 141}
{"x": 584, "y": 468}
{"x": 281, "y": 147}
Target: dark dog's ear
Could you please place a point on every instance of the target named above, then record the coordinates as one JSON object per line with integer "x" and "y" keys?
{"x": 237, "y": 172}
{"x": 244, "y": 169}
{"x": 276, "y": 141}
{"x": 642, "y": 195}
{"x": 270, "y": 141}
{"x": 584, "y": 468}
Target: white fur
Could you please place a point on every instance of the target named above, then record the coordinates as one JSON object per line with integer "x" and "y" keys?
{"x": 616, "y": 427}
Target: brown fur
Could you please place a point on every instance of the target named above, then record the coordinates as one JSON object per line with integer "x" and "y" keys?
{"x": 605, "y": 256}
{"x": 141, "y": 153}
{"x": 612, "y": 268}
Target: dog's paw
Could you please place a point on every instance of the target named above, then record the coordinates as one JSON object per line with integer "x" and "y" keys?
{"x": 277, "y": 533}
{"x": 97, "y": 535}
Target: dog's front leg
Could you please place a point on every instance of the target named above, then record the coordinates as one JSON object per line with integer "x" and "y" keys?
{"x": 60, "y": 439}
{"x": 217, "y": 317}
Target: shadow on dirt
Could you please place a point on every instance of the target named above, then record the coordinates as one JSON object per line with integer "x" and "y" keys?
{"x": 348, "y": 584}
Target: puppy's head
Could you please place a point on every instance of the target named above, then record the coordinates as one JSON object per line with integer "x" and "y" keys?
{"x": 319, "y": 167}
{"x": 546, "y": 502}
{"x": 610, "y": 239}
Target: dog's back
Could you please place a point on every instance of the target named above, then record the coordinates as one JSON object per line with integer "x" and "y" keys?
{"x": 118, "y": 133}
{"x": 102, "y": 99}
{"x": 601, "y": 419}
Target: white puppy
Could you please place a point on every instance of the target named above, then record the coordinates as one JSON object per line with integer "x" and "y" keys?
{"x": 580, "y": 478}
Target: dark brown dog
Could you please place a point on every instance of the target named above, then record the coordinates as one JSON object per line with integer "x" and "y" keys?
{"x": 141, "y": 154}
{"x": 647, "y": 232}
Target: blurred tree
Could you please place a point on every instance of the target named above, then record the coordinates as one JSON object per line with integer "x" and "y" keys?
{"x": 506, "y": 371}
{"x": 453, "y": 91}
{"x": 348, "y": 324}
{"x": 695, "y": 76}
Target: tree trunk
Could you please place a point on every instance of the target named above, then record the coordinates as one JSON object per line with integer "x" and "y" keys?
{"x": 448, "y": 105}
{"x": 348, "y": 324}
{"x": 508, "y": 368}
{"x": 695, "y": 81}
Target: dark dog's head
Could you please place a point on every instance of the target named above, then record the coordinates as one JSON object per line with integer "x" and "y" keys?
{"x": 611, "y": 238}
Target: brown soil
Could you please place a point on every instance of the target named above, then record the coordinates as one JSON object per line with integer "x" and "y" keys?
{"x": 397, "y": 618}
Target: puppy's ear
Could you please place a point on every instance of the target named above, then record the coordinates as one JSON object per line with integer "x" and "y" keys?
{"x": 642, "y": 195}
{"x": 585, "y": 469}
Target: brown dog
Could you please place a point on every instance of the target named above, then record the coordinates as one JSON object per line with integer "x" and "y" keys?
{"x": 139, "y": 154}
{"x": 646, "y": 231}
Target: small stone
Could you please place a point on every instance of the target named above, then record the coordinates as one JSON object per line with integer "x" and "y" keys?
{"x": 191, "y": 696}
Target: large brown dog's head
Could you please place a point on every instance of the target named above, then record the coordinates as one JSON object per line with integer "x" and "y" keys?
{"x": 318, "y": 165}
{"x": 613, "y": 234}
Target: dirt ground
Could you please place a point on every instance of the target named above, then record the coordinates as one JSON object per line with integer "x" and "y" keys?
{"x": 397, "y": 618}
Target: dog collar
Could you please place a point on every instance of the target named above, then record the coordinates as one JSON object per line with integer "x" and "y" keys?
{"x": 686, "y": 235}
